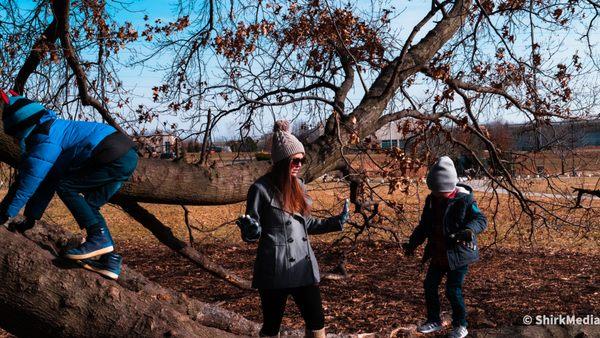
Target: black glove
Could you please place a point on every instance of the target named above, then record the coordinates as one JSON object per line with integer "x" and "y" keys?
{"x": 3, "y": 219}
{"x": 408, "y": 249}
{"x": 466, "y": 235}
{"x": 249, "y": 227}
{"x": 22, "y": 226}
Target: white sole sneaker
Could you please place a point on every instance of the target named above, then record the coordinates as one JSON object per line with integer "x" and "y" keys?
{"x": 432, "y": 329}
{"x": 462, "y": 334}
{"x": 91, "y": 254}
{"x": 104, "y": 273}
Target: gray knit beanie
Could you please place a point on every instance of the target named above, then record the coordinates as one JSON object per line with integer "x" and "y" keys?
{"x": 284, "y": 143}
{"x": 442, "y": 175}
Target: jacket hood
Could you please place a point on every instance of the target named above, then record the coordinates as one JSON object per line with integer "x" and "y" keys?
{"x": 464, "y": 191}
{"x": 23, "y": 134}
{"x": 48, "y": 115}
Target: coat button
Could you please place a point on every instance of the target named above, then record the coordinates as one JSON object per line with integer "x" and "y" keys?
{"x": 290, "y": 240}
{"x": 288, "y": 222}
{"x": 304, "y": 239}
{"x": 292, "y": 259}
{"x": 308, "y": 257}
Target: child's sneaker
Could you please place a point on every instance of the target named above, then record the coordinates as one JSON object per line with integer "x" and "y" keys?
{"x": 458, "y": 332}
{"x": 108, "y": 265}
{"x": 429, "y": 327}
{"x": 97, "y": 242}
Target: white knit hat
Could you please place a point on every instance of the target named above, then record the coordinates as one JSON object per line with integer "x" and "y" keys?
{"x": 442, "y": 175}
{"x": 284, "y": 143}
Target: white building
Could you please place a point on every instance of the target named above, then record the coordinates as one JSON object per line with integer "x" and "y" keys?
{"x": 158, "y": 145}
{"x": 389, "y": 135}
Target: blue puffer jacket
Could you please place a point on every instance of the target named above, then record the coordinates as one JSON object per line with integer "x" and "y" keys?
{"x": 462, "y": 213}
{"x": 65, "y": 146}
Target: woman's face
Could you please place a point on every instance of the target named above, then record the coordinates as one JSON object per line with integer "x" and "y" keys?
{"x": 296, "y": 164}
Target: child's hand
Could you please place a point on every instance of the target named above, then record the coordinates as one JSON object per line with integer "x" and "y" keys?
{"x": 464, "y": 235}
{"x": 408, "y": 249}
{"x": 249, "y": 227}
{"x": 21, "y": 226}
{"x": 4, "y": 220}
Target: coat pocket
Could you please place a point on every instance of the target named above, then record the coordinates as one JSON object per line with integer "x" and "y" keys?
{"x": 265, "y": 262}
{"x": 280, "y": 262}
{"x": 275, "y": 236}
{"x": 466, "y": 255}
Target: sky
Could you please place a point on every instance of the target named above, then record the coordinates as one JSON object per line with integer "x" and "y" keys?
{"x": 140, "y": 80}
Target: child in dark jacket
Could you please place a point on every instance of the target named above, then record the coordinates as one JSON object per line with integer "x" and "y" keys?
{"x": 85, "y": 163}
{"x": 450, "y": 222}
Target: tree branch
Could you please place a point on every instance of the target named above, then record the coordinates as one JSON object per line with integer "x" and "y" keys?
{"x": 580, "y": 192}
{"x": 61, "y": 9}
{"x": 166, "y": 237}
{"x": 35, "y": 56}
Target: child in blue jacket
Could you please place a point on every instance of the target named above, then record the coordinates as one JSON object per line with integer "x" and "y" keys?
{"x": 450, "y": 222}
{"x": 85, "y": 163}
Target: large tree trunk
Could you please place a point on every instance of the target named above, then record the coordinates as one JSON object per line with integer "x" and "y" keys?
{"x": 42, "y": 295}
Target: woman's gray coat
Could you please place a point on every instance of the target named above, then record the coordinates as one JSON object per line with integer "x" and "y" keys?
{"x": 284, "y": 257}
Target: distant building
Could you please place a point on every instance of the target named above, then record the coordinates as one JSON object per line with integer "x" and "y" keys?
{"x": 524, "y": 137}
{"x": 307, "y": 133}
{"x": 264, "y": 143}
{"x": 564, "y": 134}
{"x": 390, "y": 136}
{"x": 158, "y": 145}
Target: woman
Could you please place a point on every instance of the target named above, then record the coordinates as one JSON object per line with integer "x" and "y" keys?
{"x": 278, "y": 216}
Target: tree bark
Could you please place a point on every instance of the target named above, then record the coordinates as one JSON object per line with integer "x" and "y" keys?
{"x": 58, "y": 299}
{"x": 39, "y": 299}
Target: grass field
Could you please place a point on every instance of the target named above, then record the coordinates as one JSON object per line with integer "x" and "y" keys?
{"x": 215, "y": 223}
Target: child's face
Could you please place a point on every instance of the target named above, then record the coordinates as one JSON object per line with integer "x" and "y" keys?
{"x": 441, "y": 194}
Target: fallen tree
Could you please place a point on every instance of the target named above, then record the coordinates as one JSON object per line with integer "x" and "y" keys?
{"x": 43, "y": 295}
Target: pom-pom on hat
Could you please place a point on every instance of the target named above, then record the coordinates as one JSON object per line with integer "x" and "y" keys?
{"x": 284, "y": 143}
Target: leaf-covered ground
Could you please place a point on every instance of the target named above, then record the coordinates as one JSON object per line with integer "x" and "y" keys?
{"x": 385, "y": 291}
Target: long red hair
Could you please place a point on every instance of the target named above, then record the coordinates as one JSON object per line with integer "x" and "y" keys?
{"x": 291, "y": 195}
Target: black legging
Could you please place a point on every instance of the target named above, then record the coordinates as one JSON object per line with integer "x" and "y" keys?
{"x": 308, "y": 300}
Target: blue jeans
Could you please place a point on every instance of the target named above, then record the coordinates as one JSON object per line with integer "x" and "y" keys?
{"x": 454, "y": 283}
{"x": 85, "y": 191}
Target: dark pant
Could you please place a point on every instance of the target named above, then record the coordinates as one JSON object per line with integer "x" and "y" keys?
{"x": 308, "y": 300}
{"x": 454, "y": 282}
{"x": 85, "y": 191}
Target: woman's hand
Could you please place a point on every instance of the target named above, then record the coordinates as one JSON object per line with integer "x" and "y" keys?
{"x": 249, "y": 227}
{"x": 345, "y": 215}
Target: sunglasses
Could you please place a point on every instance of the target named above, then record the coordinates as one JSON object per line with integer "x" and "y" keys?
{"x": 298, "y": 161}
